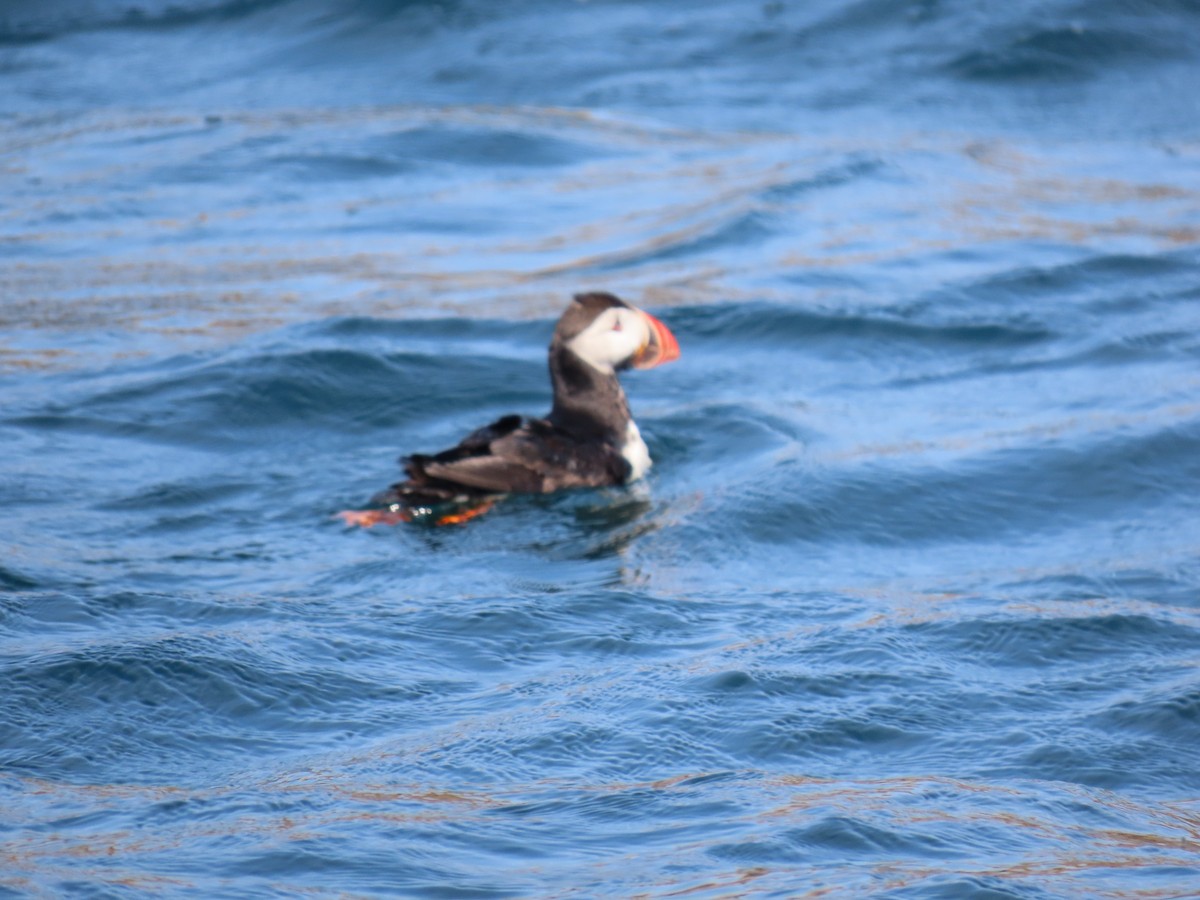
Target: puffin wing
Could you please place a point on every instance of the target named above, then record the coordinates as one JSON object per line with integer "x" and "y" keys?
{"x": 514, "y": 455}
{"x": 488, "y": 459}
{"x": 487, "y": 473}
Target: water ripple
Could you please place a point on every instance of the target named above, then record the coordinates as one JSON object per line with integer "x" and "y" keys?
{"x": 907, "y": 606}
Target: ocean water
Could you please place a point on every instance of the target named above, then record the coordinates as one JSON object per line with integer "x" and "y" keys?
{"x": 909, "y": 605}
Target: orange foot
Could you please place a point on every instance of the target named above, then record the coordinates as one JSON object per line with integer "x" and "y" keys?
{"x": 365, "y": 518}
{"x": 465, "y": 515}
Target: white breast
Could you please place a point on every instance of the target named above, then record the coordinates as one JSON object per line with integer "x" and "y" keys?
{"x": 635, "y": 451}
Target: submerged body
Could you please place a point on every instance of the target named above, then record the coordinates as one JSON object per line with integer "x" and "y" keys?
{"x": 588, "y": 439}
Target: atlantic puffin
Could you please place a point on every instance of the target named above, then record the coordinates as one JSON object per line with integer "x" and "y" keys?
{"x": 588, "y": 439}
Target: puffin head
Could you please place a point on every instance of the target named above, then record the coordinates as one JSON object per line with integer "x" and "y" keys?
{"x": 609, "y": 334}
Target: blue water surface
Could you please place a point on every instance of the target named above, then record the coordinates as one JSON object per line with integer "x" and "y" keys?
{"x": 909, "y": 605}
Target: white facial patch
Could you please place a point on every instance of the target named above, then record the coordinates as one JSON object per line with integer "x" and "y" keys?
{"x": 616, "y": 335}
{"x": 635, "y": 451}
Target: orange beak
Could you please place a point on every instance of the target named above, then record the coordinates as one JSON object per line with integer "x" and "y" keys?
{"x": 661, "y": 348}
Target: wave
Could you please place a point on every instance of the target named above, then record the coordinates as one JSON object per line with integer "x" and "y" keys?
{"x": 33, "y": 22}
{"x": 761, "y": 63}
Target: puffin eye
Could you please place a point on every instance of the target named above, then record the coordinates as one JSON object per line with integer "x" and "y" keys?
{"x": 617, "y": 325}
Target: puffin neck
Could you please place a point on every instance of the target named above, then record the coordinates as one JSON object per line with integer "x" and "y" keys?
{"x": 588, "y": 403}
